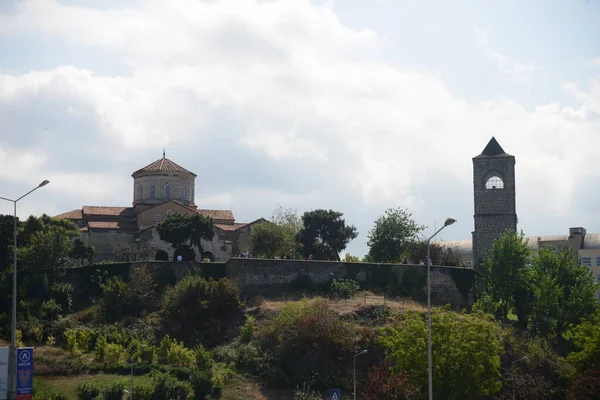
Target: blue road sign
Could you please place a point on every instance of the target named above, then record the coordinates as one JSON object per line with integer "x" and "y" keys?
{"x": 24, "y": 373}
{"x": 335, "y": 394}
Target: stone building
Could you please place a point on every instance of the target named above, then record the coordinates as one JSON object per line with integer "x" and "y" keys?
{"x": 159, "y": 190}
{"x": 494, "y": 197}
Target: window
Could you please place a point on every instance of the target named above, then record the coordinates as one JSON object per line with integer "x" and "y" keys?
{"x": 586, "y": 261}
{"x": 598, "y": 279}
{"x": 169, "y": 212}
{"x": 152, "y": 192}
{"x": 494, "y": 182}
{"x": 140, "y": 192}
{"x": 157, "y": 217}
{"x": 181, "y": 192}
{"x": 167, "y": 191}
{"x": 597, "y": 261}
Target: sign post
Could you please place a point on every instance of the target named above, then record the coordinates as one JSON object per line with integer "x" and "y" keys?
{"x": 335, "y": 394}
{"x": 25, "y": 373}
{"x": 3, "y": 373}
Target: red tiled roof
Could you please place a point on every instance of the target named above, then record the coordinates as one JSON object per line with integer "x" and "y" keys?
{"x": 218, "y": 214}
{"x": 193, "y": 210}
{"x": 229, "y": 228}
{"x": 74, "y": 214}
{"x": 112, "y": 225}
{"x": 98, "y": 210}
{"x": 162, "y": 164}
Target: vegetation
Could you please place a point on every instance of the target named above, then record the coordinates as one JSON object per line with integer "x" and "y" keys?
{"x": 179, "y": 229}
{"x": 533, "y": 333}
{"x": 324, "y": 234}
{"x": 393, "y": 235}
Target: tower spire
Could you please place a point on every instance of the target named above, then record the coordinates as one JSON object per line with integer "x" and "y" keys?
{"x": 163, "y": 153}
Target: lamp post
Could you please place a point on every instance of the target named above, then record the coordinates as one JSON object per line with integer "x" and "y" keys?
{"x": 12, "y": 364}
{"x": 130, "y": 391}
{"x": 354, "y": 371}
{"x": 449, "y": 221}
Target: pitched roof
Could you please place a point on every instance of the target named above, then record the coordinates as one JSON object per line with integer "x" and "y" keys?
{"x": 73, "y": 214}
{"x": 120, "y": 225}
{"x": 162, "y": 165}
{"x": 116, "y": 211}
{"x": 218, "y": 214}
{"x": 493, "y": 149}
{"x": 193, "y": 210}
{"x": 230, "y": 227}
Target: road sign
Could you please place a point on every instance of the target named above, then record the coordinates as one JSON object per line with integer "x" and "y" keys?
{"x": 25, "y": 373}
{"x": 335, "y": 394}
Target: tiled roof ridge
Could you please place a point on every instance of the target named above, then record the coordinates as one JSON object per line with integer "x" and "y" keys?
{"x": 162, "y": 164}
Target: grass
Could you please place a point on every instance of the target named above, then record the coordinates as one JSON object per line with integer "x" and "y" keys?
{"x": 67, "y": 385}
{"x": 361, "y": 299}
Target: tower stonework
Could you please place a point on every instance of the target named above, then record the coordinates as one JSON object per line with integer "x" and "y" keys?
{"x": 494, "y": 196}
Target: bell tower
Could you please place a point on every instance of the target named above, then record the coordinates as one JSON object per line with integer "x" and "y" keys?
{"x": 494, "y": 196}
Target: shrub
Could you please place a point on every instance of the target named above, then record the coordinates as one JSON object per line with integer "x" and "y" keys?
{"x": 166, "y": 386}
{"x": 194, "y": 309}
{"x": 50, "y": 311}
{"x": 113, "y": 354}
{"x": 586, "y": 387}
{"x": 114, "y": 301}
{"x": 100, "y": 349}
{"x": 142, "y": 290}
{"x": 383, "y": 384}
{"x": 201, "y": 382}
{"x": 467, "y": 353}
{"x": 72, "y": 345}
{"x": 62, "y": 292}
{"x": 175, "y": 354}
{"x": 142, "y": 392}
{"x": 87, "y": 391}
{"x": 344, "y": 288}
{"x": 113, "y": 392}
{"x": 304, "y": 392}
{"x": 248, "y": 328}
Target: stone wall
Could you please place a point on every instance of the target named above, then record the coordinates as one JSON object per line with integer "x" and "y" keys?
{"x": 105, "y": 240}
{"x": 449, "y": 285}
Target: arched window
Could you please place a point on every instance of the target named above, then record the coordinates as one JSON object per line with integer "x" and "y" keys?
{"x": 494, "y": 182}
{"x": 169, "y": 212}
{"x": 152, "y": 192}
{"x": 181, "y": 192}
{"x": 168, "y": 190}
{"x": 140, "y": 192}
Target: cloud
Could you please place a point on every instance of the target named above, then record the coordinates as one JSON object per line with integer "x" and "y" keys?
{"x": 275, "y": 102}
{"x": 503, "y": 62}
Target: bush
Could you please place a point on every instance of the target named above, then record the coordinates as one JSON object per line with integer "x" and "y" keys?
{"x": 383, "y": 384}
{"x": 586, "y": 387}
{"x": 142, "y": 291}
{"x": 175, "y": 354}
{"x": 166, "y": 386}
{"x": 248, "y": 329}
{"x": 62, "y": 292}
{"x": 113, "y": 392}
{"x": 304, "y": 392}
{"x": 113, "y": 354}
{"x": 344, "y": 288}
{"x": 87, "y": 391}
{"x": 50, "y": 311}
{"x": 142, "y": 393}
{"x": 195, "y": 309}
{"x": 114, "y": 301}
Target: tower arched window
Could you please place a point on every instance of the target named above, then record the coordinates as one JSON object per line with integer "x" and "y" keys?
{"x": 168, "y": 192}
{"x": 152, "y": 192}
{"x": 494, "y": 182}
{"x": 181, "y": 192}
{"x": 140, "y": 192}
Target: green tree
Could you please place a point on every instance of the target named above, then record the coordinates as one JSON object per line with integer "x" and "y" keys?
{"x": 290, "y": 224}
{"x": 267, "y": 240}
{"x": 324, "y": 234}
{"x": 586, "y": 338}
{"x": 466, "y": 353}
{"x": 6, "y": 241}
{"x": 82, "y": 252}
{"x": 393, "y": 235}
{"x": 180, "y": 228}
{"x": 504, "y": 273}
{"x": 563, "y": 291}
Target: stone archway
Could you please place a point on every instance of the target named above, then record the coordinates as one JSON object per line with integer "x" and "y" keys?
{"x": 209, "y": 255}
{"x": 161, "y": 255}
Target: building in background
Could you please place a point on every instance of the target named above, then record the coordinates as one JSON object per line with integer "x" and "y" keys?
{"x": 159, "y": 190}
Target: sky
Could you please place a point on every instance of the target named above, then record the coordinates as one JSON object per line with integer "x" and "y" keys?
{"x": 352, "y": 105}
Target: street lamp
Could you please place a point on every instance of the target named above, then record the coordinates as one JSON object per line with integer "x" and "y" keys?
{"x": 354, "y": 370}
{"x": 130, "y": 392}
{"x": 12, "y": 364}
{"x": 448, "y": 222}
